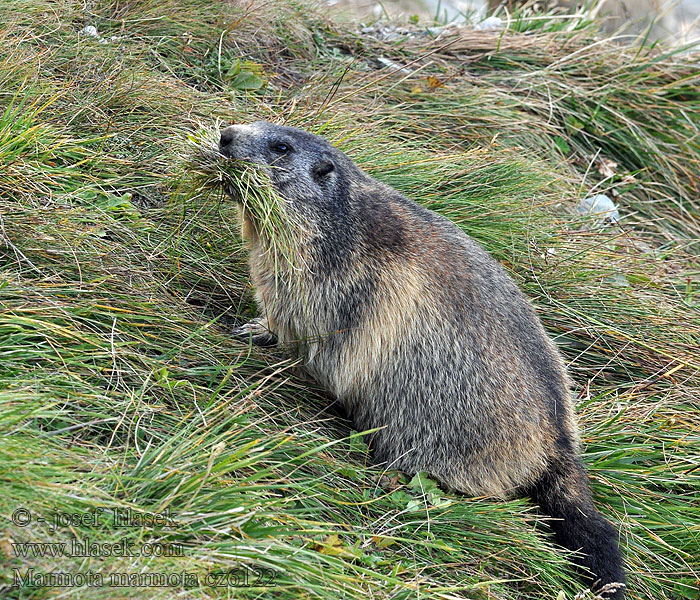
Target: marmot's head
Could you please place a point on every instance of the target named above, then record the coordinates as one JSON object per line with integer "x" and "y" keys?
{"x": 304, "y": 168}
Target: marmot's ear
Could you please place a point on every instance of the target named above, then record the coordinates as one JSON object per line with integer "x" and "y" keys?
{"x": 322, "y": 168}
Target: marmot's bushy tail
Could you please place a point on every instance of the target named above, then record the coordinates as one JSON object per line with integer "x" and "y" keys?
{"x": 563, "y": 493}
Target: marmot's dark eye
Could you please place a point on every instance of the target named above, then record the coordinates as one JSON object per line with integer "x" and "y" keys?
{"x": 280, "y": 148}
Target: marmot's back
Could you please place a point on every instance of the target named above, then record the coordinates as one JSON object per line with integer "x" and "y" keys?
{"x": 448, "y": 356}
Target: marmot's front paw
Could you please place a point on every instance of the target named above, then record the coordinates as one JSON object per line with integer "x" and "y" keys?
{"x": 255, "y": 332}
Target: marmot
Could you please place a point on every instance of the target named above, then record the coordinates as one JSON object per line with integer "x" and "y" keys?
{"x": 418, "y": 331}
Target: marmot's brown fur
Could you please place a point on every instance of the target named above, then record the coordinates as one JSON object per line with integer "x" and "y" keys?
{"x": 418, "y": 331}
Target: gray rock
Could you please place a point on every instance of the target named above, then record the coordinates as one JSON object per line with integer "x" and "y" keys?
{"x": 601, "y": 206}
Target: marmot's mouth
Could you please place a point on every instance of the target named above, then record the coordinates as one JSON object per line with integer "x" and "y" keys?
{"x": 231, "y": 192}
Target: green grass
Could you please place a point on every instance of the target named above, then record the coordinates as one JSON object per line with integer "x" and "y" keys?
{"x": 121, "y": 388}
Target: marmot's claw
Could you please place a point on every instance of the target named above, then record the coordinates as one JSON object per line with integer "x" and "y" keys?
{"x": 255, "y": 332}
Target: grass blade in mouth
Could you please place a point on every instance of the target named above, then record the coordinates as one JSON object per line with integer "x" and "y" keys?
{"x": 278, "y": 226}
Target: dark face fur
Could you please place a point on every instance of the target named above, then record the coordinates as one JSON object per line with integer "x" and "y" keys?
{"x": 304, "y": 168}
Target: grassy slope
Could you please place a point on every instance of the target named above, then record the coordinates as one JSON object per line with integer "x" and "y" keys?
{"x": 119, "y": 387}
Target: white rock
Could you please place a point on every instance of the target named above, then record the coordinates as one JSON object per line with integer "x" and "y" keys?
{"x": 393, "y": 65}
{"x": 436, "y": 31}
{"x": 599, "y": 205}
{"x": 489, "y": 23}
{"x": 90, "y": 30}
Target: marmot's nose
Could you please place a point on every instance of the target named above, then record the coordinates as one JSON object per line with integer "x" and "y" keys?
{"x": 226, "y": 140}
